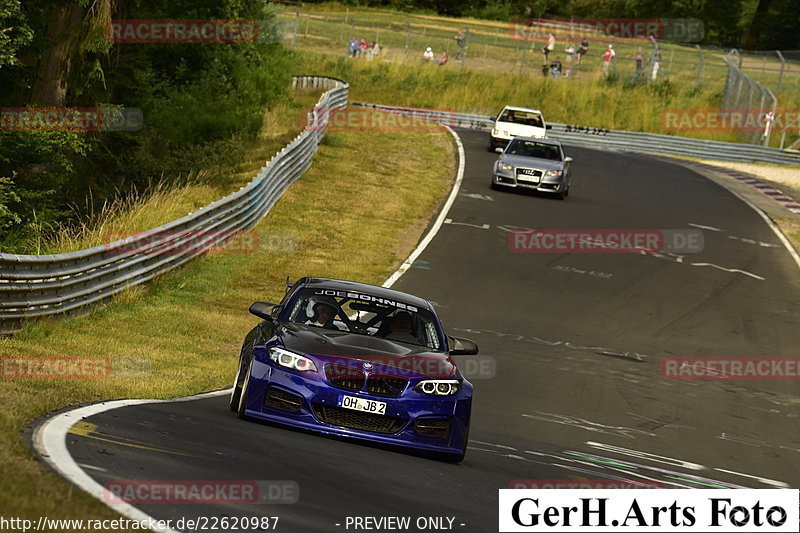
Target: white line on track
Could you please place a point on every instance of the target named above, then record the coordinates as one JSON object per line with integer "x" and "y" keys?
{"x": 735, "y": 270}
{"x": 439, "y": 220}
{"x": 50, "y": 440}
{"x": 482, "y": 226}
{"x": 764, "y": 480}
{"x": 700, "y": 226}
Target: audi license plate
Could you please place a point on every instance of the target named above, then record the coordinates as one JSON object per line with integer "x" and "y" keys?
{"x": 362, "y": 404}
{"x": 531, "y": 176}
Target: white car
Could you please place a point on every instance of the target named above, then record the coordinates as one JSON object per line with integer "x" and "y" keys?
{"x": 516, "y": 122}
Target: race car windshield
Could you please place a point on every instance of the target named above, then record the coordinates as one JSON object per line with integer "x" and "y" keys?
{"x": 534, "y": 149}
{"x": 521, "y": 117}
{"x": 365, "y": 314}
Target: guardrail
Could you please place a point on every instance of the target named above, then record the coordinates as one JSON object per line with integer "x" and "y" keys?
{"x": 72, "y": 283}
{"x": 68, "y": 284}
{"x": 629, "y": 141}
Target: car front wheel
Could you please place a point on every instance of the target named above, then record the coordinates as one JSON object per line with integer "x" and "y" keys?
{"x": 245, "y": 389}
{"x": 236, "y": 391}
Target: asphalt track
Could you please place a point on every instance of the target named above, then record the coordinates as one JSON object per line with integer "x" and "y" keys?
{"x": 577, "y": 340}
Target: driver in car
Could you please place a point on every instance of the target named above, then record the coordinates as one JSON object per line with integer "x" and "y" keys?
{"x": 324, "y": 313}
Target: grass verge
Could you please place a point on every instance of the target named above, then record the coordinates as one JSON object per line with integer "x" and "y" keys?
{"x": 587, "y": 102}
{"x": 162, "y": 201}
{"x": 348, "y": 217}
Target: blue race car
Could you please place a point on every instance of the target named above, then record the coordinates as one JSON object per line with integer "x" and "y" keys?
{"x": 356, "y": 360}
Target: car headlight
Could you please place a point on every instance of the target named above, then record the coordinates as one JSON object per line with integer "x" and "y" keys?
{"x": 291, "y": 360}
{"x": 439, "y": 387}
{"x": 505, "y": 166}
{"x": 554, "y": 173}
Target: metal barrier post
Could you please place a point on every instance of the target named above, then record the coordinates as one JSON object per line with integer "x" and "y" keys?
{"x": 700, "y": 65}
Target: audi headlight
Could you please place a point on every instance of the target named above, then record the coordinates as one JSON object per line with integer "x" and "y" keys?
{"x": 439, "y": 387}
{"x": 554, "y": 173}
{"x": 291, "y": 360}
{"x": 505, "y": 166}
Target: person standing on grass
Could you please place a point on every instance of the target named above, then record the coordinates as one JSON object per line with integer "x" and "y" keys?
{"x": 638, "y": 57}
{"x": 570, "y": 51}
{"x": 608, "y": 57}
{"x": 547, "y": 48}
{"x": 460, "y": 39}
{"x": 655, "y": 59}
{"x": 352, "y": 47}
{"x": 582, "y": 49}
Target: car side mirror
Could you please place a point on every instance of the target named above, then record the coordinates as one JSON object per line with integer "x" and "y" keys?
{"x": 461, "y": 346}
{"x": 498, "y": 150}
{"x": 263, "y": 310}
{"x": 568, "y": 159}
{"x": 548, "y": 126}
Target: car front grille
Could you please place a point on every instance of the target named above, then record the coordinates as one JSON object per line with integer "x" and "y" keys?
{"x": 348, "y": 418}
{"x": 432, "y": 427}
{"x": 386, "y": 385}
{"x": 345, "y": 377}
{"x": 283, "y": 400}
{"x": 530, "y": 173}
{"x": 355, "y": 379}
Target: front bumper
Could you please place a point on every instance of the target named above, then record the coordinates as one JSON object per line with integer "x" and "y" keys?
{"x": 547, "y": 184}
{"x": 308, "y": 401}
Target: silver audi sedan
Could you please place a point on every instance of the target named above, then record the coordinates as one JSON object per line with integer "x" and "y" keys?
{"x": 536, "y": 164}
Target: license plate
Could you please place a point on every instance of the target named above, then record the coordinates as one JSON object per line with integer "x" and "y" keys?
{"x": 362, "y": 404}
{"x": 528, "y": 175}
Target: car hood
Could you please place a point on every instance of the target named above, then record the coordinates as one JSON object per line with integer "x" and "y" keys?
{"x": 532, "y": 162}
{"x": 352, "y": 349}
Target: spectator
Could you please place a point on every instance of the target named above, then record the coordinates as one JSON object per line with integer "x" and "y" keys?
{"x": 570, "y": 51}
{"x": 547, "y": 48}
{"x": 460, "y": 41}
{"x": 442, "y": 59}
{"x": 375, "y": 50}
{"x": 352, "y": 47}
{"x": 582, "y": 49}
{"x": 608, "y": 57}
{"x": 638, "y": 57}
{"x": 363, "y": 48}
{"x": 555, "y": 68}
{"x": 428, "y": 54}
